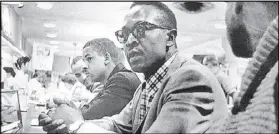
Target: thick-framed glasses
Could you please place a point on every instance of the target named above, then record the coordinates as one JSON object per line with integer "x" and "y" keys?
{"x": 138, "y": 31}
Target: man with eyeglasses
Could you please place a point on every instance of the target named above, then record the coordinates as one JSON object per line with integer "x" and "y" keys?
{"x": 177, "y": 96}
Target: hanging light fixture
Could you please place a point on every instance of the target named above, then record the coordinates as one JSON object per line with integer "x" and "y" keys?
{"x": 44, "y": 5}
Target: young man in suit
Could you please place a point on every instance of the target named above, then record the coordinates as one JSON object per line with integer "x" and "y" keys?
{"x": 104, "y": 64}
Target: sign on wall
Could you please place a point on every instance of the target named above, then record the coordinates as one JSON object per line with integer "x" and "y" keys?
{"x": 42, "y": 57}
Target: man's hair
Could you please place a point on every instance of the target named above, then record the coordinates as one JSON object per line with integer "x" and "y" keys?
{"x": 103, "y": 46}
{"x": 169, "y": 19}
{"x": 75, "y": 60}
{"x": 210, "y": 59}
{"x": 69, "y": 78}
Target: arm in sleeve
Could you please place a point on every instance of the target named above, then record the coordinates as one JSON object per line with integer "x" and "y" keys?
{"x": 187, "y": 103}
{"x": 120, "y": 123}
{"x": 118, "y": 93}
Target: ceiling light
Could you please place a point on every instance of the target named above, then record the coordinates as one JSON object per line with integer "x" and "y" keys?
{"x": 54, "y": 42}
{"x": 220, "y": 26}
{"x": 44, "y": 5}
{"x": 49, "y": 25}
{"x": 11, "y": 3}
{"x": 51, "y": 35}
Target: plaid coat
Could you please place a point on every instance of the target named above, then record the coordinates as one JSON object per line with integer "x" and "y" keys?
{"x": 189, "y": 100}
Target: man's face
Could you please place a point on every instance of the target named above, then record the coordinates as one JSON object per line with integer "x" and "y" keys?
{"x": 142, "y": 53}
{"x": 95, "y": 63}
{"x": 81, "y": 72}
{"x": 246, "y": 23}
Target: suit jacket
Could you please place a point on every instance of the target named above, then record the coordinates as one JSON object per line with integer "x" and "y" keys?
{"x": 117, "y": 93}
{"x": 189, "y": 100}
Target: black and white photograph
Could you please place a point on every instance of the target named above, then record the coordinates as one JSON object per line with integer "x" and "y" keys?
{"x": 139, "y": 67}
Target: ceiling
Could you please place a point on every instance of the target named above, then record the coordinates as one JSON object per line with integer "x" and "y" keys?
{"x": 78, "y": 22}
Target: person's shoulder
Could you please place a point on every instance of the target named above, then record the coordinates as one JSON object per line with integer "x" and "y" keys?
{"x": 190, "y": 75}
{"x": 190, "y": 67}
{"x": 126, "y": 79}
{"x": 126, "y": 74}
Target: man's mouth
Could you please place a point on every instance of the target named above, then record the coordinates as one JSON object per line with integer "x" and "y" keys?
{"x": 134, "y": 54}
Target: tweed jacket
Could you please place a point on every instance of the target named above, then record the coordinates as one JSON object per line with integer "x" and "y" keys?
{"x": 256, "y": 107}
{"x": 190, "y": 99}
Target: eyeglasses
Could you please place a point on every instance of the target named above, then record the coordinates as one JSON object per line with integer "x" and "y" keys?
{"x": 138, "y": 31}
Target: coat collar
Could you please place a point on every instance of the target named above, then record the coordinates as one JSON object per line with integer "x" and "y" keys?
{"x": 176, "y": 64}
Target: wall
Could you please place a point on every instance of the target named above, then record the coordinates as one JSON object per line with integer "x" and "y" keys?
{"x": 27, "y": 46}
{"x": 61, "y": 64}
{"x": 11, "y": 25}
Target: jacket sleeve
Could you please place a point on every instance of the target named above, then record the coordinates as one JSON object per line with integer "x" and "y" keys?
{"x": 119, "y": 123}
{"x": 117, "y": 94}
{"x": 187, "y": 102}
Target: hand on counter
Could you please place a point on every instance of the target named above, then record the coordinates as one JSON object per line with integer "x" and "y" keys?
{"x": 58, "y": 120}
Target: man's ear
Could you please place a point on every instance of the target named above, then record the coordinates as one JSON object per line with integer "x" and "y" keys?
{"x": 171, "y": 37}
{"x": 107, "y": 58}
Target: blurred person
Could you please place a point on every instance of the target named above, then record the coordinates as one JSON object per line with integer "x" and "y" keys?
{"x": 9, "y": 82}
{"x": 252, "y": 30}
{"x": 35, "y": 84}
{"x": 212, "y": 63}
{"x": 77, "y": 91}
{"x": 21, "y": 77}
{"x": 178, "y": 95}
{"x": 80, "y": 69}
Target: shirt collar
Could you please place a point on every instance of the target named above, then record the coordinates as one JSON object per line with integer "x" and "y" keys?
{"x": 162, "y": 70}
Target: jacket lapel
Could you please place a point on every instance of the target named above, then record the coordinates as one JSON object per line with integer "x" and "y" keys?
{"x": 178, "y": 62}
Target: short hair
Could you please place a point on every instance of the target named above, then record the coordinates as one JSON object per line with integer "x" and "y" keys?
{"x": 21, "y": 61}
{"x": 169, "y": 19}
{"x": 69, "y": 78}
{"x": 103, "y": 46}
{"x": 75, "y": 60}
{"x": 210, "y": 59}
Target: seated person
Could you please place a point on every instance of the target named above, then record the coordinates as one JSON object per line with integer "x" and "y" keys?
{"x": 178, "y": 95}
{"x": 212, "y": 63}
{"x": 80, "y": 70}
{"x": 35, "y": 86}
{"x": 252, "y": 29}
{"x": 77, "y": 91}
{"x": 119, "y": 82}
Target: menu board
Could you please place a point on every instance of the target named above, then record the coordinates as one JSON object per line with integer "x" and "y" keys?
{"x": 42, "y": 58}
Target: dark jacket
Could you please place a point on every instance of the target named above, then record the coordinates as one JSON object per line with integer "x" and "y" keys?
{"x": 117, "y": 93}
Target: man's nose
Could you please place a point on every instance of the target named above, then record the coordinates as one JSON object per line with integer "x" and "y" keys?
{"x": 84, "y": 64}
{"x": 131, "y": 41}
